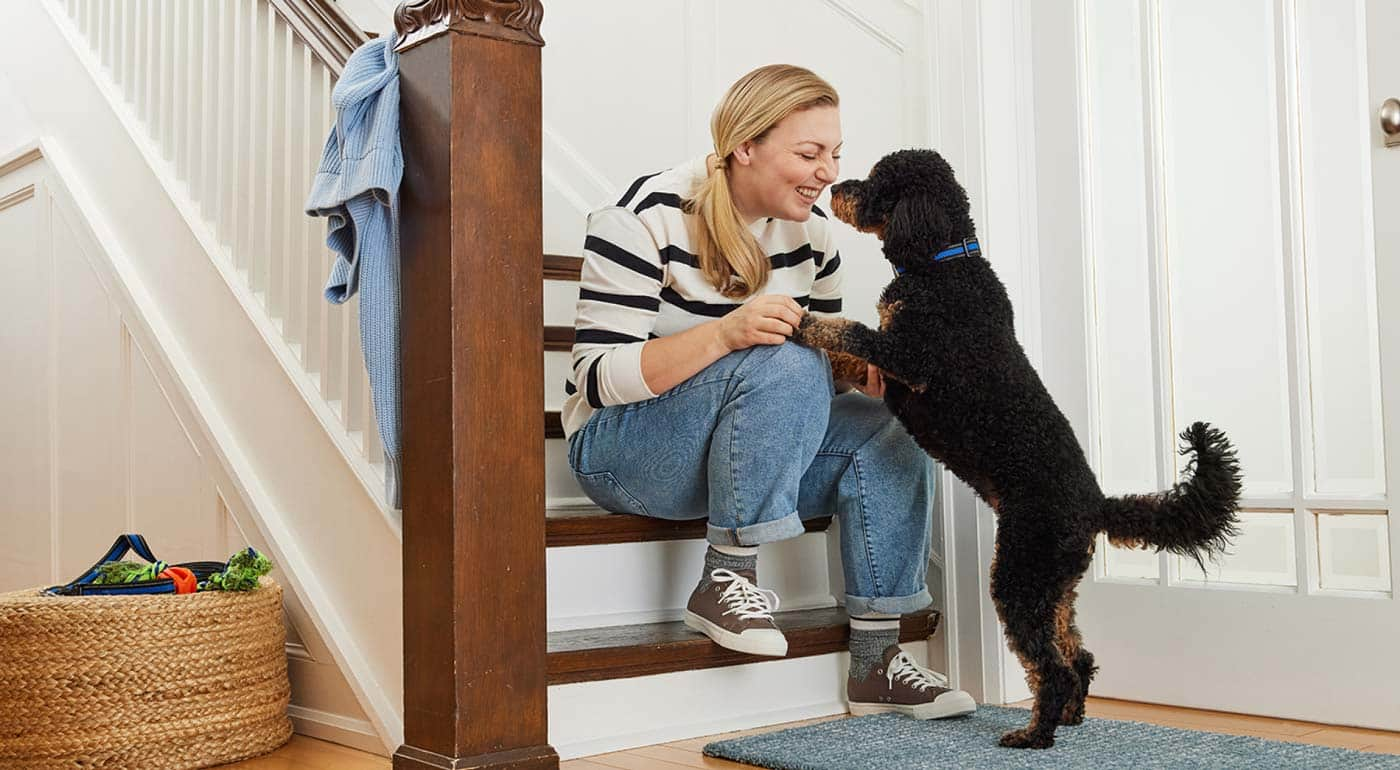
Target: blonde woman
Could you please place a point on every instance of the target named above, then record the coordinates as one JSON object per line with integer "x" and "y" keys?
{"x": 688, "y": 401}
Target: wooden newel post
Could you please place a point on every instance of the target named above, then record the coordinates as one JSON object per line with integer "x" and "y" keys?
{"x": 473, "y": 386}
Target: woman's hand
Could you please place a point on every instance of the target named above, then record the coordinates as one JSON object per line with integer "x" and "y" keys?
{"x": 874, "y": 382}
{"x": 764, "y": 320}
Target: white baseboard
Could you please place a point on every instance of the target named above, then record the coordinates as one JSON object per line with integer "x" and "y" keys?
{"x": 347, "y": 731}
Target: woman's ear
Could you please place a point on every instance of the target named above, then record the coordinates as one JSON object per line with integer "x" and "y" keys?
{"x": 915, "y": 225}
{"x": 744, "y": 152}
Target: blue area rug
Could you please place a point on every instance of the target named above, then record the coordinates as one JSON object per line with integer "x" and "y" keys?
{"x": 893, "y": 742}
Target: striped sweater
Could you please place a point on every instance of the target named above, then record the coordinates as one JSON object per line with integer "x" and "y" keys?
{"x": 642, "y": 280}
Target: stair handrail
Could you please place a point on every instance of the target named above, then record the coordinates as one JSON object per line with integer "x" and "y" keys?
{"x": 324, "y": 27}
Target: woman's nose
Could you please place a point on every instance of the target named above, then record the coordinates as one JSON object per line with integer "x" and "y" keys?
{"x": 826, "y": 174}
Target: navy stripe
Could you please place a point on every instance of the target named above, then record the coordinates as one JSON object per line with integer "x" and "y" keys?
{"x": 792, "y": 258}
{"x": 674, "y": 253}
{"x": 830, "y": 267}
{"x": 593, "y": 399}
{"x": 826, "y": 305}
{"x": 626, "y": 300}
{"x": 802, "y": 300}
{"x": 713, "y": 310}
{"x": 777, "y": 261}
{"x": 621, "y": 256}
{"x": 569, "y": 388}
{"x": 591, "y": 336}
{"x": 637, "y": 185}
{"x": 819, "y": 212}
{"x": 658, "y": 199}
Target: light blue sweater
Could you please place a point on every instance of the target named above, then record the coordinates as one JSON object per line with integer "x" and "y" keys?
{"x": 357, "y": 189}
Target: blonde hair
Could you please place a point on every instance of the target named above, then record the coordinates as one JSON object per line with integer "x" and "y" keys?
{"x": 729, "y": 255}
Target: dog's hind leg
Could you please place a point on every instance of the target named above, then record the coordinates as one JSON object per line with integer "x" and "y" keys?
{"x": 1071, "y": 646}
{"x": 1029, "y": 585}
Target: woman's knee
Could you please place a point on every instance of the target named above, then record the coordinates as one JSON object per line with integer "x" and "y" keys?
{"x": 796, "y": 368}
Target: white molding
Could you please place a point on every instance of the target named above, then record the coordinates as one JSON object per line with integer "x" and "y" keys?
{"x": 867, "y": 25}
{"x": 355, "y": 733}
{"x": 17, "y": 197}
{"x": 20, "y": 157}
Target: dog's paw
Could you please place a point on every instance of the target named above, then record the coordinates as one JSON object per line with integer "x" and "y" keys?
{"x": 810, "y": 331}
{"x": 1072, "y": 715}
{"x": 1025, "y": 738}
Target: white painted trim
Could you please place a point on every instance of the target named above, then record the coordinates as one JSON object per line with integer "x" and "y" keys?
{"x": 180, "y": 380}
{"x": 355, "y": 733}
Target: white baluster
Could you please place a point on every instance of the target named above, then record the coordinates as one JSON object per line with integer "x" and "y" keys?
{"x": 310, "y": 266}
{"x": 276, "y": 163}
{"x": 293, "y": 327}
{"x": 207, "y": 152}
{"x": 189, "y": 169}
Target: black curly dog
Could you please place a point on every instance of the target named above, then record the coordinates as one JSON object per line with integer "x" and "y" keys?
{"x": 962, "y": 386}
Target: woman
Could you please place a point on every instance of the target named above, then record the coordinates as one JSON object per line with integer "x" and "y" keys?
{"x": 688, "y": 400}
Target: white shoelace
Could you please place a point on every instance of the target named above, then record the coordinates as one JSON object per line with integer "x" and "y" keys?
{"x": 744, "y": 598}
{"x": 904, "y": 669}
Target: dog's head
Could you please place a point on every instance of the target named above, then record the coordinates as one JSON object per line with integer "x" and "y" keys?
{"x": 911, "y": 202}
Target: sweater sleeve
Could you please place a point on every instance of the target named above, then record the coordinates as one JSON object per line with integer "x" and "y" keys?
{"x": 826, "y": 287}
{"x": 619, "y": 297}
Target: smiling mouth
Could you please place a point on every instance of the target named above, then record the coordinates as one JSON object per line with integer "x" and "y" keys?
{"x": 809, "y": 194}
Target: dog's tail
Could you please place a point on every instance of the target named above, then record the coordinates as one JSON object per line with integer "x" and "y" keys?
{"x": 1195, "y": 518}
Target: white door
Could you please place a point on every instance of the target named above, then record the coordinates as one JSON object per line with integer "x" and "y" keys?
{"x": 1243, "y": 265}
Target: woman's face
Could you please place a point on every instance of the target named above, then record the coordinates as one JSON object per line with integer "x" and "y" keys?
{"x": 782, "y": 175}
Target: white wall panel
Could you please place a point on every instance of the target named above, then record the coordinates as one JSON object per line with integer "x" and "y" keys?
{"x": 1263, "y": 554}
{"x": 1122, "y": 246}
{"x": 1339, "y": 250}
{"x": 1353, "y": 550}
{"x": 24, "y": 441}
{"x": 171, "y": 503}
{"x": 1224, "y": 230}
{"x": 87, "y": 383}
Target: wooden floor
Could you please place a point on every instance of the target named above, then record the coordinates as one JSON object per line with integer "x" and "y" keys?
{"x": 310, "y": 754}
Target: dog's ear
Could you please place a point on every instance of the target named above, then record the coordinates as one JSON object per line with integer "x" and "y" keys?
{"x": 915, "y": 225}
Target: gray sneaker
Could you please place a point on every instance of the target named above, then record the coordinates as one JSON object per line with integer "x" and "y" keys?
{"x": 903, "y": 686}
{"x": 736, "y": 614}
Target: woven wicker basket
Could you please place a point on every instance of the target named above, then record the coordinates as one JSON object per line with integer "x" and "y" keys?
{"x": 153, "y": 681}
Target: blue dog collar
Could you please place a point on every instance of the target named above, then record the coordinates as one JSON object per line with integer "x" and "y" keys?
{"x": 967, "y": 247}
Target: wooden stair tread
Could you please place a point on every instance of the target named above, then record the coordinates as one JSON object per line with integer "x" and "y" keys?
{"x": 619, "y": 652}
{"x": 561, "y": 267}
{"x": 596, "y": 527}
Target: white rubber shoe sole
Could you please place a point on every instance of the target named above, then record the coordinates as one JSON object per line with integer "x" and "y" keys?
{"x": 754, "y": 641}
{"x": 949, "y": 704}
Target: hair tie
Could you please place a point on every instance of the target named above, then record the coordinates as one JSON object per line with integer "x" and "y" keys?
{"x": 716, "y": 163}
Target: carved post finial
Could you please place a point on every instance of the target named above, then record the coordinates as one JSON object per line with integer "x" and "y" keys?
{"x": 517, "y": 20}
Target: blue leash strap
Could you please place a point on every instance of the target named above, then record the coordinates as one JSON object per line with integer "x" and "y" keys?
{"x": 83, "y": 585}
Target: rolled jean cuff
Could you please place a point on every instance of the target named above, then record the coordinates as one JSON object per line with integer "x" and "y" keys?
{"x": 887, "y": 605}
{"x": 757, "y": 534}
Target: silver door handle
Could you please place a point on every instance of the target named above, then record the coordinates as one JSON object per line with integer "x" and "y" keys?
{"x": 1390, "y": 121}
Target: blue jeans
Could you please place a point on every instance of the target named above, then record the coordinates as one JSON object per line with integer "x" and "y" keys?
{"x": 756, "y": 443}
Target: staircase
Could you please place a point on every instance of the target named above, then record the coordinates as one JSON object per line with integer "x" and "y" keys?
{"x": 228, "y": 104}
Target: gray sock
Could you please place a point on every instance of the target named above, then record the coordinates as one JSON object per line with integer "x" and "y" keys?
{"x": 716, "y": 560}
{"x": 870, "y": 637}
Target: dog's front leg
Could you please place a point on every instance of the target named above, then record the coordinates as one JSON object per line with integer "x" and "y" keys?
{"x": 842, "y": 335}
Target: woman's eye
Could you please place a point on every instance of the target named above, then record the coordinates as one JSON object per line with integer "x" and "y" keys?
{"x": 810, "y": 157}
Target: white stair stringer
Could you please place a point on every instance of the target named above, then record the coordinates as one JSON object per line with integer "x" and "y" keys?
{"x": 291, "y": 485}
